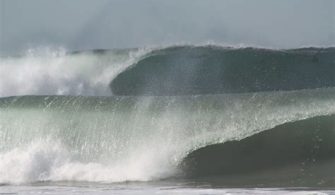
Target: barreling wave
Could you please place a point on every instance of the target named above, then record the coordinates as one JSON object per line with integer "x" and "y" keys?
{"x": 189, "y": 70}
{"x": 143, "y": 138}
{"x": 237, "y": 116}
{"x": 175, "y": 70}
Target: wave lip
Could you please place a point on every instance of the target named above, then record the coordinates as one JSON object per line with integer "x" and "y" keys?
{"x": 185, "y": 70}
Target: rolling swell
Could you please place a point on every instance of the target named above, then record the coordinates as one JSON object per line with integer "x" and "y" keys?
{"x": 189, "y": 70}
{"x": 300, "y": 153}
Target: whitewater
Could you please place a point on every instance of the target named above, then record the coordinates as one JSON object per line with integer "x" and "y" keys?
{"x": 54, "y": 71}
{"x": 176, "y": 117}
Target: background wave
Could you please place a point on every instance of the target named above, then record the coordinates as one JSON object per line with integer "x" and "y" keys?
{"x": 187, "y": 70}
{"x": 175, "y": 70}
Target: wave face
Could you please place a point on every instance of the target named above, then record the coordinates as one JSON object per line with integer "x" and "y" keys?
{"x": 116, "y": 139}
{"x": 57, "y": 72}
{"x": 299, "y": 153}
{"x": 188, "y": 70}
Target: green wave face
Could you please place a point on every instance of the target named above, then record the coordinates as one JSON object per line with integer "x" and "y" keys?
{"x": 300, "y": 153}
{"x": 113, "y": 139}
{"x": 188, "y": 70}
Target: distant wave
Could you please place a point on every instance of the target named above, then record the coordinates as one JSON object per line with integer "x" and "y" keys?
{"x": 187, "y": 70}
{"x": 174, "y": 70}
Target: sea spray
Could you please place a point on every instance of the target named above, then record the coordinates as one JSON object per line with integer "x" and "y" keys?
{"x": 115, "y": 139}
{"x": 48, "y": 71}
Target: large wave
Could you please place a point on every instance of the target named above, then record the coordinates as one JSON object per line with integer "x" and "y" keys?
{"x": 244, "y": 115}
{"x": 298, "y": 153}
{"x": 185, "y": 70}
{"x": 175, "y": 70}
{"x": 115, "y": 139}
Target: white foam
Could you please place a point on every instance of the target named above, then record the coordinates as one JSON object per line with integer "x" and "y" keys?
{"x": 53, "y": 72}
{"x": 49, "y": 160}
{"x": 31, "y": 163}
{"x": 137, "y": 141}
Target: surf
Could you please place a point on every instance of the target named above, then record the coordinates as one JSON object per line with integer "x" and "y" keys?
{"x": 50, "y": 71}
{"x": 170, "y": 70}
{"x": 194, "y": 113}
{"x": 190, "y": 70}
{"x": 144, "y": 138}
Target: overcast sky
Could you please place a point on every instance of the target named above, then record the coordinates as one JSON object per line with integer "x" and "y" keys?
{"x": 93, "y": 24}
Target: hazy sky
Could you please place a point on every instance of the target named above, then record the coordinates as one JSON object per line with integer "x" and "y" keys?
{"x": 92, "y": 24}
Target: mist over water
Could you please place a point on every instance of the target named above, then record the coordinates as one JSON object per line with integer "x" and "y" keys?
{"x": 47, "y": 71}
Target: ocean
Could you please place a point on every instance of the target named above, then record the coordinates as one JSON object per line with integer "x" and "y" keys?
{"x": 184, "y": 119}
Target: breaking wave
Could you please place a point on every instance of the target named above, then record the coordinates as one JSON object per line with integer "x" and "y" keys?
{"x": 237, "y": 116}
{"x": 58, "y": 72}
{"x": 176, "y": 70}
{"x": 117, "y": 139}
{"x": 188, "y": 70}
